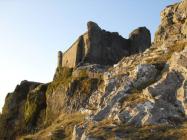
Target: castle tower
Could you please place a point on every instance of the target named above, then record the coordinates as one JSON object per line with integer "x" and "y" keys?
{"x": 60, "y": 57}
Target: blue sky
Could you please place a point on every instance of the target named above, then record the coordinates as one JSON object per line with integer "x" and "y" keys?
{"x": 32, "y": 31}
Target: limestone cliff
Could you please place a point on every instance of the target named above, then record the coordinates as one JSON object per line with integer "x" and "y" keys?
{"x": 143, "y": 96}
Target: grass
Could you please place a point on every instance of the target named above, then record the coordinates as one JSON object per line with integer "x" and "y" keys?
{"x": 63, "y": 76}
{"x": 109, "y": 130}
{"x": 62, "y": 128}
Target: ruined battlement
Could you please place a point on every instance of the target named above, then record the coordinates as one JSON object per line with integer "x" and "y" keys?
{"x": 60, "y": 57}
{"x": 98, "y": 46}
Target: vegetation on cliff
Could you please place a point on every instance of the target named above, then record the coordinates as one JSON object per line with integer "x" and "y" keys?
{"x": 143, "y": 96}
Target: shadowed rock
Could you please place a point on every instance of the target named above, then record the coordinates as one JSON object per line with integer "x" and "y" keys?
{"x": 98, "y": 46}
{"x": 140, "y": 40}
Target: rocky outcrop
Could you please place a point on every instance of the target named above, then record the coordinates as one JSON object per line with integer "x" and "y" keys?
{"x": 68, "y": 93}
{"x": 173, "y": 24}
{"x": 23, "y": 110}
{"x": 143, "y": 96}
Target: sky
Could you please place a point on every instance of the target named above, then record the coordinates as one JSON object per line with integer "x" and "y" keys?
{"x": 33, "y": 31}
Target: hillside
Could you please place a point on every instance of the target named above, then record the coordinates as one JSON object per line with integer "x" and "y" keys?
{"x": 142, "y": 96}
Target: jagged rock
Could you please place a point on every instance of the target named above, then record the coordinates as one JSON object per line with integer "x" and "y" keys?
{"x": 55, "y": 93}
{"x": 164, "y": 106}
{"x": 111, "y": 98}
{"x": 146, "y": 74}
{"x": 146, "y": 88}
{"x": 165, "y": 94}
{"x": 104, "y": 113}
{"x": 15, "y": 110}
{"x": 92, "y": 26}
{"x": 172, "y": 23}
{"x": 67, "y": 93}
{"x": 137, "y": 115}
{"x": 78, "y": 132}
{"x": 34, "y": 113}
{"x": 140, "y": 40}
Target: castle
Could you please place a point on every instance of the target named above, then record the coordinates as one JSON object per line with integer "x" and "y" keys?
{"x": 98, "y": 46}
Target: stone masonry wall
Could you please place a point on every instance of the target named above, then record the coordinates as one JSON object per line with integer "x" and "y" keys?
{"x": 70, "y": 56}
{"x": 98, "y": 46}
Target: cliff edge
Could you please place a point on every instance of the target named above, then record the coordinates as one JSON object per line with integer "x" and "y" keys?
{"x": 140, "y": 94}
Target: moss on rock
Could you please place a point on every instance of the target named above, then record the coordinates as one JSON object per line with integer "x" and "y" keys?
{"x": 13, "y": 111}
{"x": 36, "y": 102}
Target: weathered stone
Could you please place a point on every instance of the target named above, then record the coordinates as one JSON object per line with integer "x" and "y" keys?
{"x": 185, "y": 91}
{"x": 183, "y": 8}
{"x": 184, "y": 29}
{"x": 98, "y": 46}
{"x": 113, "y": 97}
{"x": 77, "y": 132}
{"x": 14, "y": 112}
{"x": 107, "y": 109}
{"x": 146, "y": 88}
{"x": 167, "y": 88}
{"x": 60, "y": 56}
{"x": 146, "y": 74}
{"x": 165, "y": 113}
{"x": 140, "y": 40}
{"x": 92, "y": 26}
{"x": 173, "y": 25}
{"x": 138, "y": 115}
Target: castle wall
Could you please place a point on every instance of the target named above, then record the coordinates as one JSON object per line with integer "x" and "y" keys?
{"x": 98, "y": 46}
{"x": 60, "y": 57}
{"x": 70, "y": 56}
{"x": 86, "y": 42}
{"x": 76, "y": 52}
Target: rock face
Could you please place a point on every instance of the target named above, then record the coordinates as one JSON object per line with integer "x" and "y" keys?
{"x": 173, "y": 23}
{"x": 143, "y": 96}
{"x": 70, "y": 93}
{"x": 98, "y": 46}
{"x": 23, "y": 109}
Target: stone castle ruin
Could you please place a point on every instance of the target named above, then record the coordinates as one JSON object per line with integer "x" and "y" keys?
{"x": 98, "y": 46}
